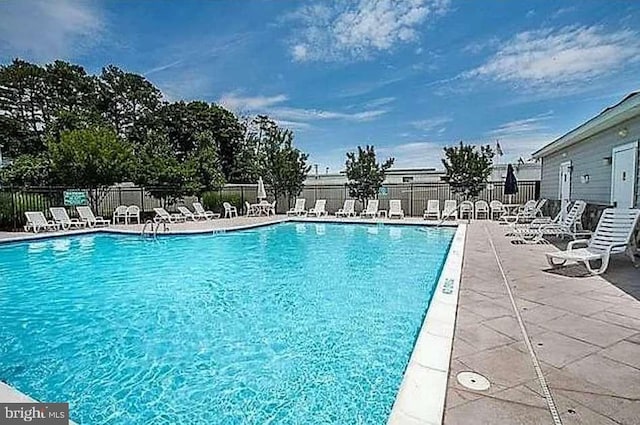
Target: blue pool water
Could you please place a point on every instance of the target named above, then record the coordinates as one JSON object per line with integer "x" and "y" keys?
{"x": 287, "y": 324}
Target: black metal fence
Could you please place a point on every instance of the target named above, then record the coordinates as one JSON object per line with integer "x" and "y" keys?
{"x": 15, "y": 202}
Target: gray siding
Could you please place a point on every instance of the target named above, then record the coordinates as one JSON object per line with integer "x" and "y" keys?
{"x": 587, "y": 157}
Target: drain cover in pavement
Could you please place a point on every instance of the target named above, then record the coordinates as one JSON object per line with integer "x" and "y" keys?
{"x": 473, "y": 381}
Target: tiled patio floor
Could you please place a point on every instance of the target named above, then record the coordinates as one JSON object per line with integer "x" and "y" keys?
{"x": 584, "y": 330}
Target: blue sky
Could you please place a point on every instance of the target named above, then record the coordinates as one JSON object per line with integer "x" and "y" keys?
{"x": 408, "y": 76}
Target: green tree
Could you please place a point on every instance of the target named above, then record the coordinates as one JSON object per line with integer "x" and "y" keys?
{"x": 282, "y": 166}
{"x": 364, "y": 174}
{"x": 93, "y": 158}
{"x": 467, "y": 168}
{"x": 27, "y": 170}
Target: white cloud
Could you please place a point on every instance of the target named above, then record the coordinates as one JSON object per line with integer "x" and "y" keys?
{"x": 357, "y": 29}
{"x": 381, "y": 101}
{"x": 300, "y": 114}
{"x": 547, "y": 58}
{"x": 44, "y": 30}
{"x": 430, "y": 124}
{"x": 526, "y": 125}
{"x": 250, "y": 103}
{"x": 519, "y": 138}
{"x": 417, "y": 154}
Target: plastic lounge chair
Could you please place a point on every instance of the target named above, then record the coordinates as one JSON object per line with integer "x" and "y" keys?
{"x": 133, "y": 211}
{"x": 526, "y": 213}
{"x": 188, "y": 215}
{"x": 36, "y": 221}
{"x": 61, "y": 217}
{"x": 229, "y": 210}
{"x": 120, "y": 213}
{"x": 433, "y": 209}
{"x": 482, "y": 209}
{"x": 162, "y": 216}
{"x": 450, "y": 209}
{"x": 372, "y": 209}
{"x": 298, "y": 208}
{"x": 199, "y": 209}
{"x": 395, "y": 208}
{"x": 87, "y": 216}
{"x": 570, "y": 225}
{"x": 348, "y": 209}
{"x": 496, "y": 208}
{"x": 466, "y": 209}
{"x": 613, "y": 235}
{"x": 318, "y": 209}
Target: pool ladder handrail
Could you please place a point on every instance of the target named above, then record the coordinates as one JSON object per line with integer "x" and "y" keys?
{"x": 153, "y": 228}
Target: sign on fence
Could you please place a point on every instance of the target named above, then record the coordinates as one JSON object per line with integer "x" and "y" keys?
{"x": 75, "y": 197}
{"x": 383, "y": 191}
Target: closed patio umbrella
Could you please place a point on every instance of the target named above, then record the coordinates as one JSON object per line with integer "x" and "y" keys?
{"x": 510, "y": 183}
{"x": 262, "y": 194}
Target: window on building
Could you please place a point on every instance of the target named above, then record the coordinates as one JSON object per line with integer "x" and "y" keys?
{"x": 407, "y": 180}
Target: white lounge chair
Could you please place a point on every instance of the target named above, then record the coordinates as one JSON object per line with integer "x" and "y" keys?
{"x": 87, "y": 216}
{"x": 526, "y": 213}
{"x": 163, "y": 216}
{"x": 36, "y": 221}
{"x": 560, "y": 226}
{"x": 319, "y": 208}
{"x": 61, "y": 217}
{"x": 466, "y": 209}
{"x": 298, "y": 208}
{"x": 229, "y": 210}
{"x": 482, "y": 209}
{"x": 372, "y": 209}
{"x": 498, "y": 208}
{"x": 613, "y": 235}
{"x": 133, "y": 211}
{"x": 120, "y": 213}
{"x": 199, "y": 209}
{"x": 348, "y": 209}
{"x": 395, "y": 209}
{"x": 450, "y": 209}
{"x": 433, "y": 209}
{"x": 188, "y": 215}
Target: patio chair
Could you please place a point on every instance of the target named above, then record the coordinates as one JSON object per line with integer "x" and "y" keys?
{"x": 229, "y": 210}
{"x": 613, "y": 235}
{"x": 450, "y": 209}
{"x": 61, "y": 217}
{"x": 496, "y": 208}
{"x": 560, "y": 226}
{"x": 298, "y": 208}
{"x": 133, "y": 211}
{"x": 36, "y": 221}
{"x": 526, "y": 213}
{"x": 199, "y": 209}
{"x": 188, "y": 215}
{"x": 371, "y": 210}
{"x": 120, "y": 213}
{"x": 433, "y": 209}
{"x": 87, "y": 216}
{"x": 162, "y": 216}
{"x": 272, "y": 209}
{"x": 466, "y": 209}
{"x": 395, "y": 208}
{"x": 348, "y": 209}
{"x": 250, "y": 211}
{"x": 319, "y": 208}
{"x": 482, "y": 208}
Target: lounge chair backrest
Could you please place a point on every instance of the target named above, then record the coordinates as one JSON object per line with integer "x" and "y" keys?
{"x": 529, "y": 206}
{"x": 395, "y": 206}
{"x": 372, "y": 206}
{"x": 133, "y": 210}
{"x": 466, "y": 206}
{"x": 36, "y": 218}
{"x": 198, "y": 207}
{"x": 574, "y": 214}
{"x": 185, "y": 211}
{"x": 300, "y": 203}
{"x": 482, "y": 206}
{"x": 616, "y": 227}
{"x": 162, "y": 212}
{"x": 450, "y": 205}
{"x": 496, "y": 205}
{"x": 349, "y": 206}
{"x": 320, "y": 205}
{"x": 540, "y": 204}
{"x": 86, "y": 214}
{"x": 433, "y": 205}
{"x": 60, "y": 215}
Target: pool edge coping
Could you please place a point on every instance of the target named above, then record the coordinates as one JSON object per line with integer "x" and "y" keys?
{"x": 422, "y": 393}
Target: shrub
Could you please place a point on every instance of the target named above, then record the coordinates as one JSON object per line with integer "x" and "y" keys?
{"x": 21, "y": 202}
{"x": 213, "y": 200}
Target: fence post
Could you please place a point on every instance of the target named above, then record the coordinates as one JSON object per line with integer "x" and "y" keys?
{"x": 411, "y": 200}
{"x": 142, "y": 200}
{"x": 13, "y": 208}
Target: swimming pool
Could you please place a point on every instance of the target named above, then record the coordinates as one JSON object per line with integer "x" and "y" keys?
{"x": 292, "y": 323}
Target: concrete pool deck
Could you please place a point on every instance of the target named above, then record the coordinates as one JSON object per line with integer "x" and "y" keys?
{"x": 584, "y": 331}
